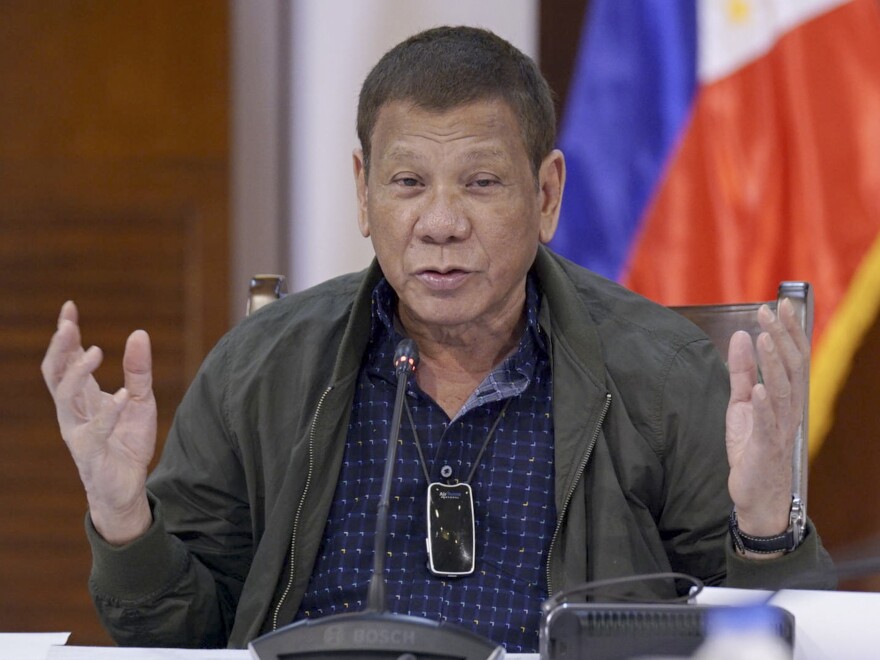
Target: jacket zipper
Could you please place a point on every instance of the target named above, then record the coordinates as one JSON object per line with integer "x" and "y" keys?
{"x": 299, "y": 508}
{"x": 570, "y": 494}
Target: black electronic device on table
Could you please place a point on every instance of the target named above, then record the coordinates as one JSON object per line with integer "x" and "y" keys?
{"x": 619, "y": 631}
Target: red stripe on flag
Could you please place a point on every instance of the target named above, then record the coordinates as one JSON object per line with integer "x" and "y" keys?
{"x": 777, "y": 176}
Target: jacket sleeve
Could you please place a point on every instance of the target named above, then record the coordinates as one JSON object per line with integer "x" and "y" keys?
{"x": 697, "y": 501}
{"x": 691, "y": 411}
{"x": 153, "y": 592}
{"x": 179, "y": 584}
{"x": 807, "y": 567}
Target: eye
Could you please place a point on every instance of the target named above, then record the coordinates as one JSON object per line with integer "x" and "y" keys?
{"x": 406, "y": 181}
{"x": 484, "y": 182}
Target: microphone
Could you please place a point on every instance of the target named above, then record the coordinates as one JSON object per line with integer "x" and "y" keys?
{"x": 376, "y": 632}
{"x": 406, "y": 358}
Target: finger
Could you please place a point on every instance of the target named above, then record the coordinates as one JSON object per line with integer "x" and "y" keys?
{"x": 792, "y": 346}
{"x": 776, "y": 380}
{"x": 65, "y": 347}
{"x": 742, "y": 366}
{"x": 77, "y": 392}
{"x": 69, "y": 312}
{"x": 137, "y": 365}
{"x": 799, "y": 370}
{"x": 787, "y": 334}
{"x": 790, "y": 318}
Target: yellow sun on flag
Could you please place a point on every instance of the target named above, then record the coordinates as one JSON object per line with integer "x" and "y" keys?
{"x": 739, "y": 11}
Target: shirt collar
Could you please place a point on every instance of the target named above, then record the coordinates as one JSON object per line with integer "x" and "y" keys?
{"x": 509, "y": 378}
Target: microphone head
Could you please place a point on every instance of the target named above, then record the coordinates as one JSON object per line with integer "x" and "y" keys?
{"x": 406, "y": 357}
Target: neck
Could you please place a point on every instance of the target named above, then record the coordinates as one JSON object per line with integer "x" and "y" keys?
{"x": 454, "y": 361}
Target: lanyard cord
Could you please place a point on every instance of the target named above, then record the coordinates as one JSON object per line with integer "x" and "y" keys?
{"x": 476, "y": 462}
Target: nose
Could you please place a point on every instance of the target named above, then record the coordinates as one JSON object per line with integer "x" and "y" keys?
{"x": 442, "y": 219}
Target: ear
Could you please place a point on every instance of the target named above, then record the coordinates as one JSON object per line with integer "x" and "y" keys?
{"x": 360, "y": 182}
{"x": 551, "y": 181}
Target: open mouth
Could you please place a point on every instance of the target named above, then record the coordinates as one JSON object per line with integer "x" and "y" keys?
{"x": 443, "y": 281}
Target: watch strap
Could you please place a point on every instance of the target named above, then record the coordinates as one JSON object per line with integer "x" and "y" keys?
{"x": 766, "y": 545}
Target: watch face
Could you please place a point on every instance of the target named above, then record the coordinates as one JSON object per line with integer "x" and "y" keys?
{"x": 451, "y": 538}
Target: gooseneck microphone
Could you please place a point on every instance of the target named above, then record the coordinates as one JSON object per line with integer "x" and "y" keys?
{"x": 375, "y": 632}
{"x": 406, "y": 359}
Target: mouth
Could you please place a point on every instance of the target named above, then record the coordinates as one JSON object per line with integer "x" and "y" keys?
{"x": 445, "y": 280}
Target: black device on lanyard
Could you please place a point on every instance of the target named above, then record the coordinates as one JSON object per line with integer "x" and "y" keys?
{"x": 451, "y": 538}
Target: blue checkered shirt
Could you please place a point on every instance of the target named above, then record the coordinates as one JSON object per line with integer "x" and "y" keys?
{"x": 513, "y": 490}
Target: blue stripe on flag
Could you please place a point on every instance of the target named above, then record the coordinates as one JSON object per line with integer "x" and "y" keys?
{"x": 632, "y": 90}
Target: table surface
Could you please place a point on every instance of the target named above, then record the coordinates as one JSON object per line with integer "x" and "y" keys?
{"x": 50, "y": 646}
{"x": 829, "y": 625}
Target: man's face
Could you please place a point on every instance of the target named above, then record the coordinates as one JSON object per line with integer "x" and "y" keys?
{"x": 454, "y": 211}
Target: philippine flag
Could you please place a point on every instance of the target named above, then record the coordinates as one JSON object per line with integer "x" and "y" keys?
{"x": 718, "y": 147}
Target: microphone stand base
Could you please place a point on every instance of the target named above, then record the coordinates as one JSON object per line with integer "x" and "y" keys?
{"x": 374, "y": 636}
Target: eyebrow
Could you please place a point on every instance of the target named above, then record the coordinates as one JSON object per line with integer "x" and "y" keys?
{"x": 401, "y": 153}
{"x": 486, "y": 154}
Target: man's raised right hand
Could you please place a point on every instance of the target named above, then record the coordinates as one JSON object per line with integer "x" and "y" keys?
{"x": 112, "y": 437}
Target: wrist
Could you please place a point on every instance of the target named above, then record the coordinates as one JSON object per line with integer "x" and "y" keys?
{"x": 121, "y": 525}
{"x": 762, "y": 524}
{"x": 768, "y": 546}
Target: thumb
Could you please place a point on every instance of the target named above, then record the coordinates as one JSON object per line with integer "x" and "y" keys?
{"x": 137, "y": 365}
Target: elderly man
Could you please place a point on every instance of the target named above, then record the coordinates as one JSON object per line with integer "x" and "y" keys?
{"x": 599, "y": 434}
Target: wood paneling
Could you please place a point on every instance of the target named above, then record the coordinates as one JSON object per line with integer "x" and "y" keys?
{"x": 844, "y": 492}
{"x": 114, "y": 193}
{"x": 562, "y": 22}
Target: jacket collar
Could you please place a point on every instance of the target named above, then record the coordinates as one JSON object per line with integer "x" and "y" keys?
{"x": 565, "y": 311}
{"x": 357, "y": 332}
{"x": 564, "y": 316}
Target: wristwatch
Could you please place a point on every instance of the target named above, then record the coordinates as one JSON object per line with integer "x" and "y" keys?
{"x": 766, "y": 545}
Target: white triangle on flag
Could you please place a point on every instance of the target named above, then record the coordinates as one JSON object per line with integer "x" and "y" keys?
{"x": 732, "y": 33}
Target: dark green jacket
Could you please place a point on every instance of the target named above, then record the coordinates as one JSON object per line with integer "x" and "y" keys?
{"x": 248, "y": 472}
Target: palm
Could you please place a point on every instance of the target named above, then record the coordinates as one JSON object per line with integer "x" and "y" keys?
{"x": 113, "y": 464}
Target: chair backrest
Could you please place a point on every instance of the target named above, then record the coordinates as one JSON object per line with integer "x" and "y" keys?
{"x": 720, "y": 321}
{"x": 264, "y": 289}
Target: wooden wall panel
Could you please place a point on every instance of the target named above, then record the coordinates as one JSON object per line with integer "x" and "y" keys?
{"x": 114, "y": 193}
{"x": 844, "y": 476}
{"x": 560, "y": 34}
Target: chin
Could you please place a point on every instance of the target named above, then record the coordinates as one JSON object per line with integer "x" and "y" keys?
{"x": 442, "y": 313}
